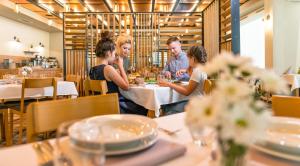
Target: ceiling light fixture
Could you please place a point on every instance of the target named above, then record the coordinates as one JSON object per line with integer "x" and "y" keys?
{"x": 67, "y": 8}
{"x": 50, "y": 22}
{"x": 17, "y": 10}
{"x": 194, "y": 6}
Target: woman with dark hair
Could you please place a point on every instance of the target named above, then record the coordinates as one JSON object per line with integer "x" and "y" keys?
{"x": 105, "y": 52}
{"x": 196, "y": 56}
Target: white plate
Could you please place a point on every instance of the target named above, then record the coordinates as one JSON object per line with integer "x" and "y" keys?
{"x": 121, "y": 133}
{"x": 276, "y": 153}
{"x": 284, "y": 135}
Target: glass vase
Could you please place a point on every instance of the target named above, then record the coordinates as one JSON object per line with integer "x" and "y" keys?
{"x": 232, "y": 154}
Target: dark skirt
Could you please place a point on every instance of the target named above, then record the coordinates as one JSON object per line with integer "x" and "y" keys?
{"x": 129, "y": 107}
{"x": 173, "y": 108}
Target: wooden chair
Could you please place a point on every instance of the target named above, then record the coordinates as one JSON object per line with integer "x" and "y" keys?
{"x": 92, "y": 86}
{"x": 76, "y": 79}
{"x": 48, "y": 115}
{"x": 208, "y": 86}
{"x": 286, "y": 106}
{"x": 27, "y": 84}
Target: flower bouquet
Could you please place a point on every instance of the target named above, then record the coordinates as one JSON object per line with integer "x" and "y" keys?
{"x": 26, "y": 70}
{"x": 234, "y": 108}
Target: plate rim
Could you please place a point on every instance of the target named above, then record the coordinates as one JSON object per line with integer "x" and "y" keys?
{"x": 283, "y": 120}
{"x": 131, "y": 150}
{"x": 276, "y": 153}
{"x": 153, "y": 122}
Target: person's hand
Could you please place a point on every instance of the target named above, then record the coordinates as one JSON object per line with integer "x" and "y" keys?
{"x": 180, "y": 72}
{"x": 163, "y": 83}
{"x": 168, "y": 74}
{"x": 119, "y": 61}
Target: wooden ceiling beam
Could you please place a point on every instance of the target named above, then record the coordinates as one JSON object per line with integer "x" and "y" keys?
{"x": 59, "y": 3}
{"x": 107, "y": 5}
{"x": 38, "y": 5}
{"x": 131, "y": 10}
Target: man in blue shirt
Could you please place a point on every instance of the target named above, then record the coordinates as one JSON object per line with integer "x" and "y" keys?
{"x": 177, "y": 61}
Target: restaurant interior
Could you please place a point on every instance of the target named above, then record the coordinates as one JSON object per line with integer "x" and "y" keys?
{"x": 150, "y": 82}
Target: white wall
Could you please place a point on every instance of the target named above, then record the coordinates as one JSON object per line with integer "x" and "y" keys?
{"x": 56, "y": 46}
{"x": 285, "y": 18}
{"x": 27, "y": 35}
{"x": 253, "y": 39}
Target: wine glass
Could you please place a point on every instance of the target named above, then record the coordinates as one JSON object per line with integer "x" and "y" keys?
{"x": 79, "y": 143}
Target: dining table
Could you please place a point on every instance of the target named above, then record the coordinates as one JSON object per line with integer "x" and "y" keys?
{"x": 294, "y": 81}
{"x": 195, "y": 155}
{"x": 152, "y": 96}
{"x": 12, "y": 91}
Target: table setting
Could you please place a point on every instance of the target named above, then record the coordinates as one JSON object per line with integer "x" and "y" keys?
{"x": 103, "y": 140}
{"x": 10, "y": 89}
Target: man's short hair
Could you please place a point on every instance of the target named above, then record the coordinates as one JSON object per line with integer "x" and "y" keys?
{"x": 172, "y": 39}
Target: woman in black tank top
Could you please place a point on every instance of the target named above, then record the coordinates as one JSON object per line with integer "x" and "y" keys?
{"x": 105, "y": 52}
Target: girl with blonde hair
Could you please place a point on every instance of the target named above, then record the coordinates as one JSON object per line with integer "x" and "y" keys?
{"x": 123, "y": 46}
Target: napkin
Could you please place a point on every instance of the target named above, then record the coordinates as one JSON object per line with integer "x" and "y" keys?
{"x": 160, "y": 152}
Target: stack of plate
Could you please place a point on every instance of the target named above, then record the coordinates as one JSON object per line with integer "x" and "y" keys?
{"x": 283, "y": 138}
{"x": 122, "y": 134}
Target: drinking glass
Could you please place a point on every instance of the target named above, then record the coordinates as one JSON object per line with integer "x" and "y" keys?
{"x": 199, "y": 135}
{"x": 80, "y": 145}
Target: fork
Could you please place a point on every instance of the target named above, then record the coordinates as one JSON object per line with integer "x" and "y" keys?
{"x": 45, "y": 159}
{"x": 62, "y": 157}
{"x": 170, "y": 133}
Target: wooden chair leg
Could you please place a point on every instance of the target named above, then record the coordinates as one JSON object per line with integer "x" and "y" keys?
{"x": 2, "y": 123}
{"x": 20, "y": 130}
{"x": 11, "y": 126}
{"x": 8, "y": 138}
{"x": 151, "y": 114}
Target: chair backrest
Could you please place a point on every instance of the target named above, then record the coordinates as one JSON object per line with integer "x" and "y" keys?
{"x": 48, "y": 115}
{"x": 207, "y": 86}
{"x": 286, "y": 106}
{"x": 37, "y": 83}
{"x": 76, "y": 79}
{"x": 93, "y": 86}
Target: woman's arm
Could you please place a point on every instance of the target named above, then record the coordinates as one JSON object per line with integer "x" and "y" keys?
{"x": 184, "y": 90}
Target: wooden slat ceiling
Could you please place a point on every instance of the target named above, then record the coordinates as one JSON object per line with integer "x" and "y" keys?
{"x": 53, "y": 9}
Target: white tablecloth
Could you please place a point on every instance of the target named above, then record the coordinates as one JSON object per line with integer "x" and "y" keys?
{"x": 293, "y": 80}
{"x": 195, "y": 156}
{"x": 152, "y": 96}
{"x": 13, "y": 91}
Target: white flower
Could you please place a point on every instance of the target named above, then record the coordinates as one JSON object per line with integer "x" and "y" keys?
{"x": 232, "y": 107}
{"x": 243, "y": 124}
{"x": 202, "y": 111}
{"x": 233, "y": 90}
{"x": 26, "y": 69}
{"x": 24, "y": 73}
{"x": 272, "y": 82}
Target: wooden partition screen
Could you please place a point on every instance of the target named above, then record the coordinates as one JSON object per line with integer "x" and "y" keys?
{"x": 149, "y": 33}
{"x": 211, "y": 27}
{"x": 225, "y": 25}
{"x": 76, "y": 63}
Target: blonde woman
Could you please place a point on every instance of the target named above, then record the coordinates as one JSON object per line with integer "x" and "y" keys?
{"x": 123, "y": 46}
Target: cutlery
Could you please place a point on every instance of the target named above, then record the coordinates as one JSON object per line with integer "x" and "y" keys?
{"x": 63, "y": 159}
{"x": 169, "y": 132}
{"x": 44, "y": 159}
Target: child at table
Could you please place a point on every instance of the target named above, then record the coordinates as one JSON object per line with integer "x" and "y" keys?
{"x": 105, "y": 52}
{"x": 196, "y": 56}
